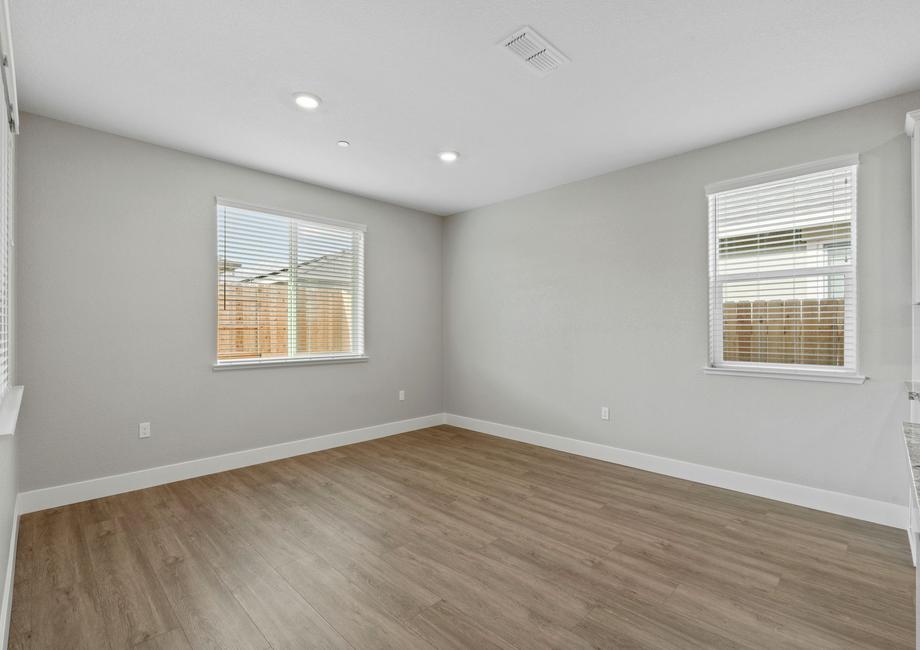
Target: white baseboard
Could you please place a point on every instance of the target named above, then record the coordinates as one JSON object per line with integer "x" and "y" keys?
{"x": 880, "y": 512}
{"x": 848, "y": 505}
{"x": 61, "y": 495}
{"x": 6, "y": 603}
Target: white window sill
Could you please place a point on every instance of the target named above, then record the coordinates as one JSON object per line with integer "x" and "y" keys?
{"x": 276, "y": 363}
{"x": 9, "y": 411}
{"x": 818, "y": 375}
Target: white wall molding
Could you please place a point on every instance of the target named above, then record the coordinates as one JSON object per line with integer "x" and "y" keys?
{"x": 6, "y": 602}
{"x": 910, "y": 121}
{"x": 60, "y": 495}
{"x": 848, "y": 505}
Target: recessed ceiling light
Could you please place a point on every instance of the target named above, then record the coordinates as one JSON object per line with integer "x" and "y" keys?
{"x": 307, "y": 101}
{"x": 344, "y": 144}
{"x": 448, "y": 156}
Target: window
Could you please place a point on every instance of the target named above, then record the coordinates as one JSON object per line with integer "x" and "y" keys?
{"x": 289, "y": 288}
{"x": 10, "y": 396}
{"x": 782, "y": 270}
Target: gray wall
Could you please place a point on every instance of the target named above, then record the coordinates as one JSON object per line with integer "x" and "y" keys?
{"x": 554, "y": 304}
{"x": 595, "y": 293}
{"x": 116, "y": 256}
{"x": 8, "y": 490}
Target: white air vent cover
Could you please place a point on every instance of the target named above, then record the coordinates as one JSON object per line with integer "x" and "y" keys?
{"x": 536, "y": 52}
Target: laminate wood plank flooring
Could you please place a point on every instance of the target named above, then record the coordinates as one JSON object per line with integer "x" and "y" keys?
{"x": 446, "y": 538}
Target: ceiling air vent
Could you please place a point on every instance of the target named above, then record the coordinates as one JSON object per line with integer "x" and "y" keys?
{"x": 536, "y": 52}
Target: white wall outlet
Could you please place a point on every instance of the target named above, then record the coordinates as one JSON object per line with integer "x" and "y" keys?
{"x": 605, "y": 413}
{"x": 402, "y": 396}
{"x": 143, "y": 430}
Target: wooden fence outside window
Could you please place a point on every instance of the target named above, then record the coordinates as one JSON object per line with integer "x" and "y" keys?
{"x": 784, "y": 331}
{"x": 252, "y": 320}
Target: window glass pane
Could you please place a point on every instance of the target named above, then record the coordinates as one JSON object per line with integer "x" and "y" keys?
{"x": 784, "y": 250}
{"x": 785, "y": 321}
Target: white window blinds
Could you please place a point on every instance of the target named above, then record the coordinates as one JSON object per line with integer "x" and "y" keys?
{"x": 6, "y": 242}
{"x": 782, "y": 263}
{"x": 289, "y": 288}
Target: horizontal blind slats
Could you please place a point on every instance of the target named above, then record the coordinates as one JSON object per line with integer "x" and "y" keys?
{"x": 6, "y": 224}
{"x": 288, "y": 288}
{"x": 782, "y": 272}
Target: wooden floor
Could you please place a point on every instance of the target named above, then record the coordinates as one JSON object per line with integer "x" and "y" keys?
{"x": 451, "y": 539}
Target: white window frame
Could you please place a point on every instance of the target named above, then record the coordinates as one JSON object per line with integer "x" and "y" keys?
{"x": 361, "y": 298}
{"x": 10, "y": 396}
{"x": 850, "y": 373}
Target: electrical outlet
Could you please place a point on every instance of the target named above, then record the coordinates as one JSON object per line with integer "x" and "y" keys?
{"x": 143, "y": 430}
{"x": 402, "y": 396}
{"x": 605, "y": 413}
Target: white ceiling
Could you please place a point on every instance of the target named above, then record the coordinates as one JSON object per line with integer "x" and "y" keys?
{"x": 403, "y": 80}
